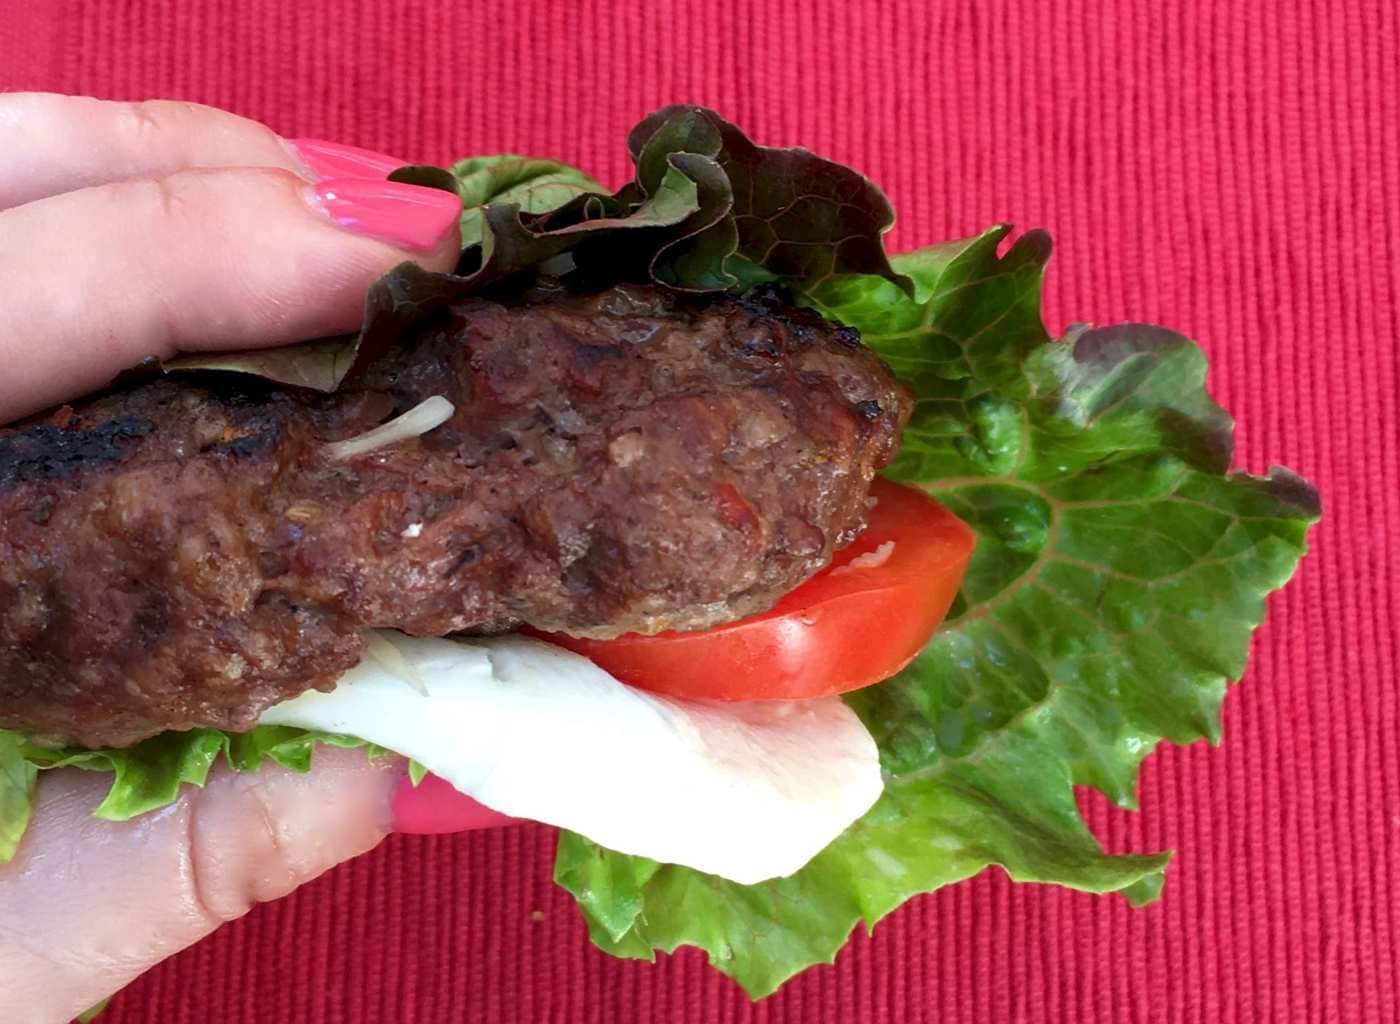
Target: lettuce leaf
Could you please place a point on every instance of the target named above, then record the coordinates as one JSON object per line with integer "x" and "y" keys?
{"x": 530, "y": 184}
{"x": 707, "y": 210}
{"x": 793, "y": 216}
{"x": 152, "y": 773}
{"x": 17, "y": 777}
{"x": 1120, "y": 572}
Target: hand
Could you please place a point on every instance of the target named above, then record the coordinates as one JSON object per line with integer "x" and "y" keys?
{"x": 130, "y": 230}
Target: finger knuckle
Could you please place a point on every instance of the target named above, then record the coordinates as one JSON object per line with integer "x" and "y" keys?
{"x": 170, "y": 196}
{"x": 168, "y": 207}
{"x": 204, "y": 898}
{"x": 152, "y": 123}
{"x": 230, "y": 873}
{"x": 202, "y": 199}
{"x": 192, "y": 132}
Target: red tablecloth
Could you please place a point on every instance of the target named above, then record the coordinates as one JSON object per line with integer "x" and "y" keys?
{"x": 1230, "y": 169}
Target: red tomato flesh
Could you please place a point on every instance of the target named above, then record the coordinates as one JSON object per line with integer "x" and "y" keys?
{"x": 849, "y": 626}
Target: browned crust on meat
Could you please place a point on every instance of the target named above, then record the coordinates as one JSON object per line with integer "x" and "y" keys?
{"x": 185, "y": 553}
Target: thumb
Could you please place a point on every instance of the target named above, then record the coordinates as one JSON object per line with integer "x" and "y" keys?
{"x": 86, "y": 906}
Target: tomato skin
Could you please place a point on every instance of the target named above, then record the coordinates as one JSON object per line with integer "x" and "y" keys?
{"x": 845, "y": 628}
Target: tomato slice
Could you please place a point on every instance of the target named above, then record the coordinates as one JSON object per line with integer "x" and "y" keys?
{"x": 857, "y": 622}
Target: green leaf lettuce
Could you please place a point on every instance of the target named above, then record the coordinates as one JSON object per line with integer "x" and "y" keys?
{"x": 707, "y": 210}
{"x": 17, "y": 778}
{"x": 1120, "y": 571}
{"x": 151, "y": 774}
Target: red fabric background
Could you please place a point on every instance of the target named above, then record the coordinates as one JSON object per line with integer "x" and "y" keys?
{"x": 1230, "y": 169}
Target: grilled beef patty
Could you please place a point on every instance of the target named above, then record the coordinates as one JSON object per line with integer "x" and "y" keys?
{"x": 186, "y": 552}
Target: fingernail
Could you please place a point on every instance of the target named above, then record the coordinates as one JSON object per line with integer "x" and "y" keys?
{"x": 410, "y": 216}
{"x": 433, "y": 808}
{"x": 333, "y": 160}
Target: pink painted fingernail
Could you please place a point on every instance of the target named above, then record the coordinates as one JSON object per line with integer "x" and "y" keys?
{"x": 333, "y": 160}
{"x": 405, "y": 215}
{"x": 433, "y": 808}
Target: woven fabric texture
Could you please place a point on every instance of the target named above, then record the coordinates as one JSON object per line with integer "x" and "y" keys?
{"x": 1228, "y": 169}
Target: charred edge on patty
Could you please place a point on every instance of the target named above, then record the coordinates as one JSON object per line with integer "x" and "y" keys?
{"x": 184, "y": 552}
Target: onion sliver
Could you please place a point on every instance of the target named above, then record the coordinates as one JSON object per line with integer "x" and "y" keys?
{"x": 427, "y": 415}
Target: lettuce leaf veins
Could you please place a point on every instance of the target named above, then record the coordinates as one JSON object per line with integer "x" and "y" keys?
{"x": 1121, "y": 569}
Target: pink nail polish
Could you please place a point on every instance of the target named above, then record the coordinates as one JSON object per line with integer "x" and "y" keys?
{"x": 333, "y": 160}
{"x": 433, "y": 808}
{"x": 410, "y": 216}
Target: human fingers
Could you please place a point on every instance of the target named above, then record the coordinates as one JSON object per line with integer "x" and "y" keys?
{"x": 50, "y": 144}
{"x": 87, "y": 905}
{"x": 94, "y": 281}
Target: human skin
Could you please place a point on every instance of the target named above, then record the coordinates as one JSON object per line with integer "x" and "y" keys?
{"x": 136, "y": 229}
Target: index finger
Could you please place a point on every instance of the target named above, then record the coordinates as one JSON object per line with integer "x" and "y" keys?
{"x": 93, "y": 281}
{"x": 51, "y": 144}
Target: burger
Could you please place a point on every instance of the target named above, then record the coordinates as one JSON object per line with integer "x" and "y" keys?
{"x": 787, "y": 579}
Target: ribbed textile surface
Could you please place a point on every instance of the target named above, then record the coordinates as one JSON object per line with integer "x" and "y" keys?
{"x": 1230, "y": 169}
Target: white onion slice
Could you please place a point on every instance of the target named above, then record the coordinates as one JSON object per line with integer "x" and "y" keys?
{"x": 749, "y": 791}
{"x": 427, "y": 415}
